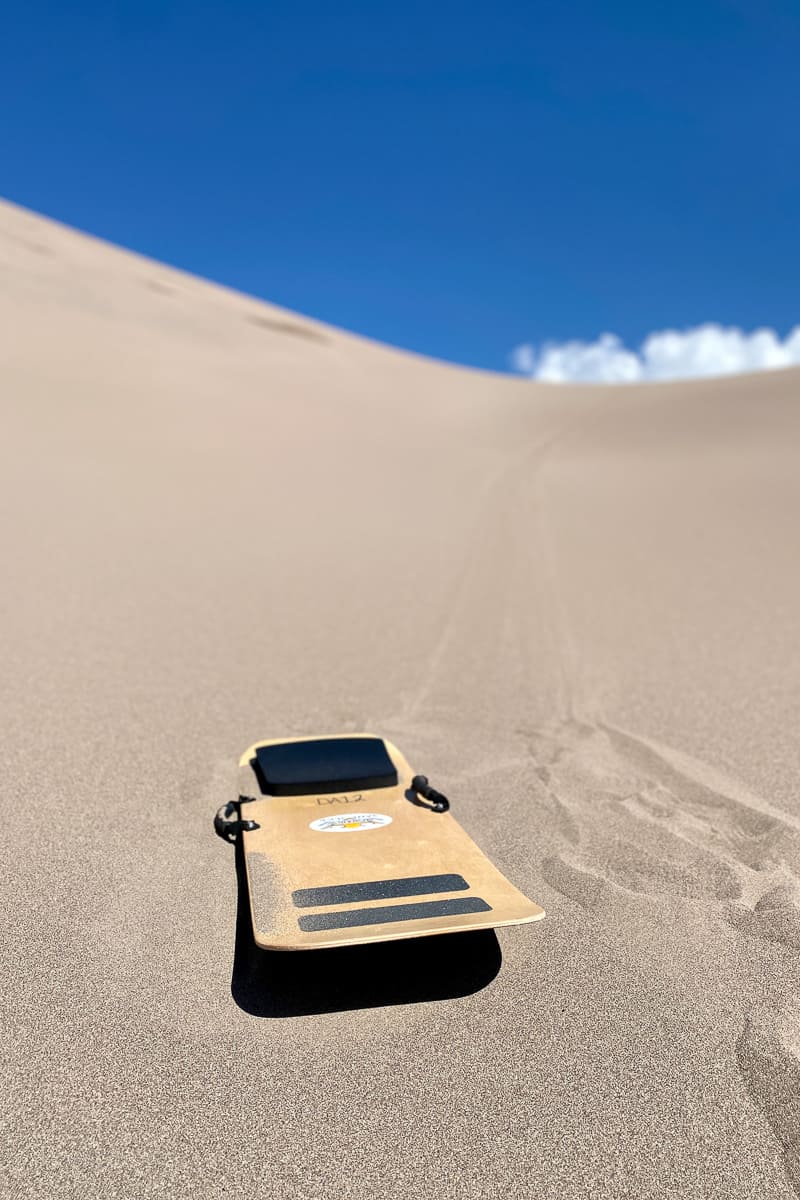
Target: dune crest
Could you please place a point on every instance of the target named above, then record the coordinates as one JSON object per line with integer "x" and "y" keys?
{"x": 576, "y": 609}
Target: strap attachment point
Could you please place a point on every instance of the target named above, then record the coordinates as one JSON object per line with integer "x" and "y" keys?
{"x": 438, "y": 802}
{"x": 228, "y": 823}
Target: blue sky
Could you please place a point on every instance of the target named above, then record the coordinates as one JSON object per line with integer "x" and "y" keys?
{"x": 457, "y": 178}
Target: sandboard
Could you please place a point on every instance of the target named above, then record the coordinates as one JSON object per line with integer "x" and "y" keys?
{"x": 340, "y": 849}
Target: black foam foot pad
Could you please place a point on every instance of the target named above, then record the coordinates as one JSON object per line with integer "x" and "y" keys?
{"x": 346, "y": 764}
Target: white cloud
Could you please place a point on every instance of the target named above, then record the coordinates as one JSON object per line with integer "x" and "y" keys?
{"x": 670, "y": 354}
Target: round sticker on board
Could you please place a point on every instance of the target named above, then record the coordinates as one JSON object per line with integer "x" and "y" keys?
{"x": 350, "y": 822}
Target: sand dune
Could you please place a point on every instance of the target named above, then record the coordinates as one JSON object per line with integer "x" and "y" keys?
{"x": 578, "y": 610}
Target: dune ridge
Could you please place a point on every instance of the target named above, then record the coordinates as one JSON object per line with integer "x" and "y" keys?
{"x": 576, "y": 609}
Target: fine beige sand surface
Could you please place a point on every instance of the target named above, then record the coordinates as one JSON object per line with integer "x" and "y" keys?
{"x": 577, "y": 610}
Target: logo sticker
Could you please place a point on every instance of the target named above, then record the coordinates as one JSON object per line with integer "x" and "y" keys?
{"x": 350, "y": 822}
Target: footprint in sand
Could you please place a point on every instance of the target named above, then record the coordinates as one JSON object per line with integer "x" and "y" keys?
{"x": 775, "y": 918}
{"x": 640, "y": 821}
{"x": 290, "y": 328}
{"x": 632, "y": 868}
{"x": 768, "y": 1053}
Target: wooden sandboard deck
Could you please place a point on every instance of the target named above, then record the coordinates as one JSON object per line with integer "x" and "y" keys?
{"x": 361, "y": 864}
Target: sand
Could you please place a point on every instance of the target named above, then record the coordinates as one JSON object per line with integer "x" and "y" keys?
{"x": 577, "y": 610}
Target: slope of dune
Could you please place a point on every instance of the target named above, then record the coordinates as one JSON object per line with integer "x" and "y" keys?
{"x": 578, "y": 610}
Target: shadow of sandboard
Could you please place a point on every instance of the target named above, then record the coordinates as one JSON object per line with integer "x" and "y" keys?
{"x": 404, "y": 911}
